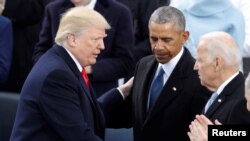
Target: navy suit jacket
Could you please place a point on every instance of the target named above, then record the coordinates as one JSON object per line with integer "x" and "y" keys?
{"x": 6, "y": 47}
{"x": 55, "y": 104}
{"x": 230, "y": 106}
{"x": 115, "y": 60}
{"x": 181, "y": 99}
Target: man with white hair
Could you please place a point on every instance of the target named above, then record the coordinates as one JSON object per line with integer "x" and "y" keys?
{"x": 218, "y": 64}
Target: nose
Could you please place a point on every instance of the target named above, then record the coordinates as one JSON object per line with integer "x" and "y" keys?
{"x": 195, "y": 66}
{"x": 101, "y": 44}
{"x": 158, "y": 44}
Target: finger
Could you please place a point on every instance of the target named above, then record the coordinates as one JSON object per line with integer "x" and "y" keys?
{"x": 204, "y": 120}
{"x": 191, "y": 137}
{"x": 217, "y": 122}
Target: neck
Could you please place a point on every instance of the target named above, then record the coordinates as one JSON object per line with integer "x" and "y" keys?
{"x": 81, "y": 3}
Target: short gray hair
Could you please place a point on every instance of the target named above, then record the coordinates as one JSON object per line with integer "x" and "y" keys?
{"x": 77, "y": 19}
{"x": 168, "y": 14}
{"x": 222, "y": 44}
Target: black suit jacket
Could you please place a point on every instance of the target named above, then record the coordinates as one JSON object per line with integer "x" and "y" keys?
{"x": 25, "y": 16}
{"x": 181, "y": 99}
{"x": 55, "y": 104}
{"x": 114, "y": 62}
{"x": 230, "y": 106}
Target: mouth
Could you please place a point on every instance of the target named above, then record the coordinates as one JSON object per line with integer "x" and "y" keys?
{"x": 162, "y": 55}
{"x": 96, "y": 54}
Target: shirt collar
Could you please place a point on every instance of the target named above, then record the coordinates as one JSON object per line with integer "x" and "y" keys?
{"x": 75, "y": 60}
{"x": 223, "y": 85}
{"x": 169, "y": 66}
{"x": 91, "y": 4}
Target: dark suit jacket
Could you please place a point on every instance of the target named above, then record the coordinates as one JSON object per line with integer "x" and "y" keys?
{"x": 181, "y": 99}
{"x": 25, "y": 15}
{"x": 6, "y": 47}
{"x": 115, "y": 60}
{"x": 56, "y": 105}
{"x": 230, "y": 106}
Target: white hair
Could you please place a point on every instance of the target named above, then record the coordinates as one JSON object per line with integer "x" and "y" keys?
{"x": 222, "y": 44}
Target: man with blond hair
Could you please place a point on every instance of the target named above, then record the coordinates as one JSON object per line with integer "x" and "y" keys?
{"x": 115, "y": 61}
{"x": 57, "y": 101}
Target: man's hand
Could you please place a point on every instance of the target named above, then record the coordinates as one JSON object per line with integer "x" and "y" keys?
{"x": 199, "y": 128}
{"x": 126, "y": 87}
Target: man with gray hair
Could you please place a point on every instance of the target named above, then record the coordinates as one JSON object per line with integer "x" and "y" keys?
{"x": 57, "y": 101}
{"x": 218, "y": 64}
{"x": 218, "y": 61}
{"x": 166, "y": 94}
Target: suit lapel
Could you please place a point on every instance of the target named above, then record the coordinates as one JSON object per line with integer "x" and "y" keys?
{"x": 143, "y": 78}
{"x": 172, "y": 87}
{"x": 170, "y": 91}
{"x": 227, "y": 92}
{"x": 99, "y": 117}
{"x": 62, "y": 52}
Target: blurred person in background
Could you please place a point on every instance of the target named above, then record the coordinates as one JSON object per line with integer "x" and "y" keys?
{"x": 26, "y": 16}
{"x": 6, "y": 45}
{"x": 244, "y": 7}
{"x": 204, "y": 16}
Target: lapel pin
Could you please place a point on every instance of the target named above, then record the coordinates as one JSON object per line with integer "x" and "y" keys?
{"x": 174, "y": 88}
{"x": 219, "y": 100}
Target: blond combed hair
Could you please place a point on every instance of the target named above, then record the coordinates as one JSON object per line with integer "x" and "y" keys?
{"x": 78, "y": 19}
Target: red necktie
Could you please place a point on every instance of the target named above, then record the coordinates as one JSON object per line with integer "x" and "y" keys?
{"x": 85, "y": 77}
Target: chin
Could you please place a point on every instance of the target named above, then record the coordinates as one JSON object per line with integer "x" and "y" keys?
{"x": 248, "y": 107}
{"x": 203, "y": 84}
{"x": 162, "y": 61}
{"x": 92, "y": 62}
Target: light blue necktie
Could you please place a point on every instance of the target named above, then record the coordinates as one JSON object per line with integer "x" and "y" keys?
{"x": 210, "y": 101}
{"x": 156, "y": 88}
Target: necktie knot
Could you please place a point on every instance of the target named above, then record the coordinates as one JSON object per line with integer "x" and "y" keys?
{"x": 156, "y": 88}
{"x": 210, "y": 101}
{"x": 85, "y": 77}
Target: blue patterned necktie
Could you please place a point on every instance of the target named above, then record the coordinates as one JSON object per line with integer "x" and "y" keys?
{"x": 156, "y": 88}
{"x": 210, "y": 101}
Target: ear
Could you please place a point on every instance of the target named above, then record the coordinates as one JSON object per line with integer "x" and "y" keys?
{"x": 71, "y": 40}
{"x": 185, "y": 36}
{"x": 218, "y": 63}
